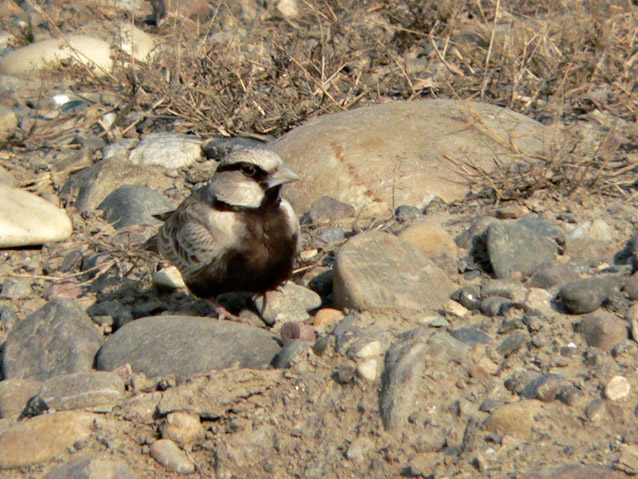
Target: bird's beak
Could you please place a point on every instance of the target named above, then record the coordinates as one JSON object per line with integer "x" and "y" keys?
{"x": 281, "y": 176}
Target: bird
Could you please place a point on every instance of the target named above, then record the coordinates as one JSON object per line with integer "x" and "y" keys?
{"x": 236, "y": 233}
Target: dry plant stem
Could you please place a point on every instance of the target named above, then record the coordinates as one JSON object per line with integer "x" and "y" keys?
{"x": 489, "y": 49}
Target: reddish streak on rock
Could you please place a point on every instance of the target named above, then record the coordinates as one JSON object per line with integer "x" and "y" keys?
{"x": 338, "y": 150}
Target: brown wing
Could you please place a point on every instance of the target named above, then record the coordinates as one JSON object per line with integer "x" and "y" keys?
{"x": 187, "y": 240}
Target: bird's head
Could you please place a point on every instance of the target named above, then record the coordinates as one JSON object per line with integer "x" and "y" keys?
{"x": 248, "y": 177}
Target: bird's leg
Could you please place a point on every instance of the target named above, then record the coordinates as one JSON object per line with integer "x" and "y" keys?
{"x": 224, "y": 314}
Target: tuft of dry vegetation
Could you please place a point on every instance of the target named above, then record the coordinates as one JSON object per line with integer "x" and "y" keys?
{"x": 229, "y": 68}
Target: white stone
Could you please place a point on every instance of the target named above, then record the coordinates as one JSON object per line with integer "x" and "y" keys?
{"x": 373, "y": 348}
{"x": 169, "y": 150}
{"x": 135, "y": 42}
{"x": 169, "y": 278}
{"x": 368, "y": 370}
{"x": 617, "y": 388}
{"x": 27, "y": 219}
{"x": 89, "y": 51}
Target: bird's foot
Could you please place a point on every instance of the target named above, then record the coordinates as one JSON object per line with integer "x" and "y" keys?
{"x": 224, "y": 315}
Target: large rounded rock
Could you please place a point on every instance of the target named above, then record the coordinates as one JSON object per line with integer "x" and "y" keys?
{"x": 27, "y": 219}
{"x": 89, "y": 51}
{"x": 402, "y": 153}
{"x": 185, "y": 345}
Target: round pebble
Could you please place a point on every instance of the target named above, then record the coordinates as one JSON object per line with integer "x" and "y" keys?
{"x": 171, "y": 457}
{"x": 617, "y": 388}
{"x": 368, "y": 370}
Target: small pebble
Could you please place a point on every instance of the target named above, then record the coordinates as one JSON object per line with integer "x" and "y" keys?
{"x": 183, "y": 428}
{"x": 368, "y": 370}
{"x": 168, "y": 278}
{"x": 295, "y": 330}
{"x": 453, "y": 308}
{"x": 617, "y": 388}
{"x": 66, "y": 289}
{"x": 171, "y": 457}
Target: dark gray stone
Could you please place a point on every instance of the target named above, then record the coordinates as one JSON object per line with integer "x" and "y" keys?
{"x": 327, "y": 209}
{"x": 469, "y": 296}
{"x": 407, "y": 213}
{"x": 511, "y": 344}
{"x": 185, "y": 345}
{"x": 404, "y": 365}
{"x": 471, "y": 336}
{"x": 587, "y": 295}
{"x": 495, "y": 305}
{"x": 514, "y": 248}
{"x": 134, "y": 204}
{"x": 541, "y": 226}
{"x": 553, "y": 274}
{"x": 58, "y": 338}
{"x": 289, "y": 352}
{"x": 603, "y": 330}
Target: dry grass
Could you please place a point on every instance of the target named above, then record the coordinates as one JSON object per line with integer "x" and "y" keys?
{"x": 565, "y": 63}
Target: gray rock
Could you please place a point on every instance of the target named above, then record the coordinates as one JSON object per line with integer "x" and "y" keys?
{"x": 378, "y": 270}
{"x": 95, "y": 390}
{"x": 14, "y": 394}
{"x": 185, "y": 345}
{"x": 90, "y": 467}
{"x": 58, "y": 338}
{"x": 327, "y": 209}
{"x": 603, "y": 330}
{"x": 396, "y": 153}
{"x": 587, "y": 295}
{"x": 168, "y": 150}
{"x": 471, "y": 336}
{"x": 134, "y": 204}
{"x": 291, "y": 303}
{"x": 511, "y": 344}
{"x": 631, "y": 287}
{"x": 514, "y": 248}
{"x": 495, "y": 305}
{"x": 404, "y": 365}
{"x": 289, "y": 352}
{"x": 171, "y": 457}
{"x": 407, "y": 213}
{"x": 553, "y": 274}
{"x": 469, "y": 296}
{"x": 541, "y": 226}
{"x": 329, "y": 236}
{"x": 16, "y": 289}
{"x": 92, "y": 185}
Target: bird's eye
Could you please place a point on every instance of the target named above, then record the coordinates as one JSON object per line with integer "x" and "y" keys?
{"x": 248, "y": 170}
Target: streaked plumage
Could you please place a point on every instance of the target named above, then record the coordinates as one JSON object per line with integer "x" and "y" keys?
{"x": 236, "y": 233}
